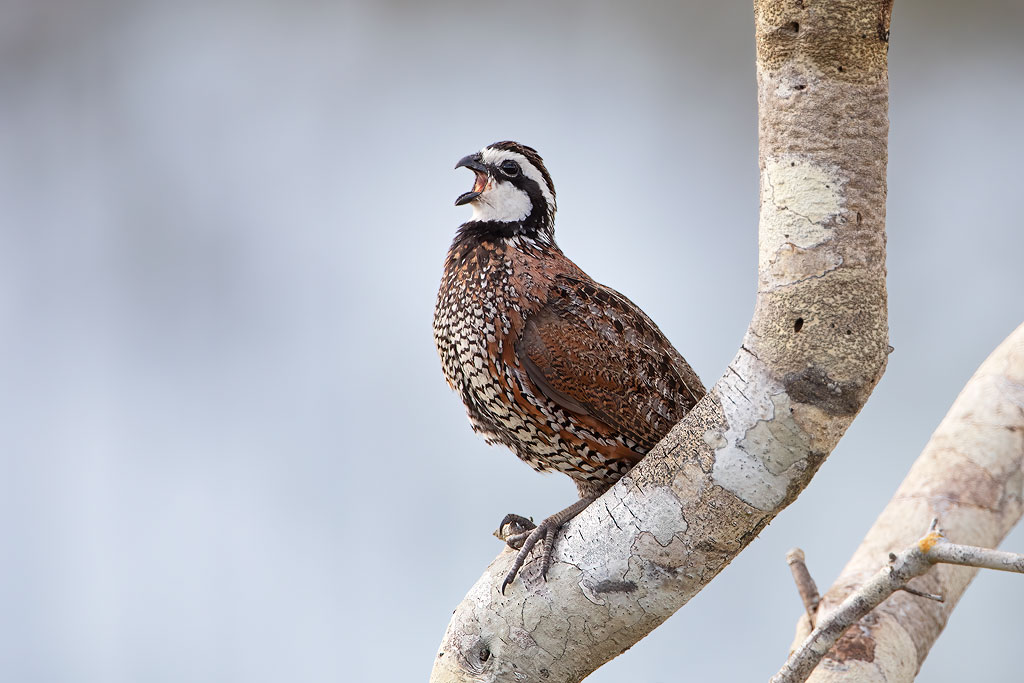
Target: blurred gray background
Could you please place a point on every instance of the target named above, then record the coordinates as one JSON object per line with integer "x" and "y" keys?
{"x": 228, "y": 453}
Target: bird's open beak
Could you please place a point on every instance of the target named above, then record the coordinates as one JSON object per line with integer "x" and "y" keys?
{"x": 473, "y": 163}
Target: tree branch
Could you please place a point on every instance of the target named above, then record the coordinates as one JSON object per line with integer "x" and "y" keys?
{"x": 970, "y": 477}
{"x": 815, "y": 348}
{"x": 913, "y": 562}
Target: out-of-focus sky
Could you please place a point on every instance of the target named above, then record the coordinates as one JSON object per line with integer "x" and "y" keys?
{"x": 227, "y": 450}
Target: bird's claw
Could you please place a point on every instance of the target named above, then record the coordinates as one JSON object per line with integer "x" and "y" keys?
{"x": 513, "y": 525}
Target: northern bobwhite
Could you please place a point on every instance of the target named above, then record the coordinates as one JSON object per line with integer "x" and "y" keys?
{"x": 569, "y": 374}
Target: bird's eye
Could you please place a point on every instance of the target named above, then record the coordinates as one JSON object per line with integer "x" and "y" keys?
{"x": 510, "y": 168}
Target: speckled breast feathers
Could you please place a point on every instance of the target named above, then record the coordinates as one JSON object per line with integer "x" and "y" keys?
{"x": 569, "y": 374}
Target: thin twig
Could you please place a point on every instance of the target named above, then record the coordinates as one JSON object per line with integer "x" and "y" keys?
{"x": 922, "y": 594}
{"x": 914, "y": 561}
{"x": 804, "y": 583}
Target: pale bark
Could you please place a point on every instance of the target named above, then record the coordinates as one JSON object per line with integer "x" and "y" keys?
{"x": 970, "y": 477}
{"x": 814, "y": 351}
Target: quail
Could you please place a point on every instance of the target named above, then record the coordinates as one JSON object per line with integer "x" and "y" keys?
{"x": 567, "y": 373}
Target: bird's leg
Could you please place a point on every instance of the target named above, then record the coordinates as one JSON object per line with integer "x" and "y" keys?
{"x": 544, "y": 533}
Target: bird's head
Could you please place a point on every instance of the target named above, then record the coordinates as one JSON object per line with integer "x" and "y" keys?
{"x": 512, "y": 192}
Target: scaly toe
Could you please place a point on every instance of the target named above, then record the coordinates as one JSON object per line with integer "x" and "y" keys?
{"x": 543, "y": 534}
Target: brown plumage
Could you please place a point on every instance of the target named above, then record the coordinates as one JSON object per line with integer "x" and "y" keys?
{"x": 569, "y": 374}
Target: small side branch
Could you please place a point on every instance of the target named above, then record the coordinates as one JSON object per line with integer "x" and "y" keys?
{"x": 914, "y": 561}
{"x": 804, "y": 583}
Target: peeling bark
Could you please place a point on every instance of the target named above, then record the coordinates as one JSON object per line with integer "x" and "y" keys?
{"x": 970, "y": 477}
{"x": 815, "y": 349}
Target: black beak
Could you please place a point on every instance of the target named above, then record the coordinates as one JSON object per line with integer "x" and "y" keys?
{"x": 473, "y": 163}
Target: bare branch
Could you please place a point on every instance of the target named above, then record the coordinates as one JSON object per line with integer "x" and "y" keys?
{"x": 914, "y": 561}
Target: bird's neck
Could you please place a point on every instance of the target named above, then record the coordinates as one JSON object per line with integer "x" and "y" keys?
{"x": 503, "y": 235}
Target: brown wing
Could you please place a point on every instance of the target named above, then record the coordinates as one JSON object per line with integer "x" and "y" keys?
{"x": 593, "y": 352}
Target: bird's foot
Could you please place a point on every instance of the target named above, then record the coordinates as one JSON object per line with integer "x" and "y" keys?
{"x": 543, "y": 533}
